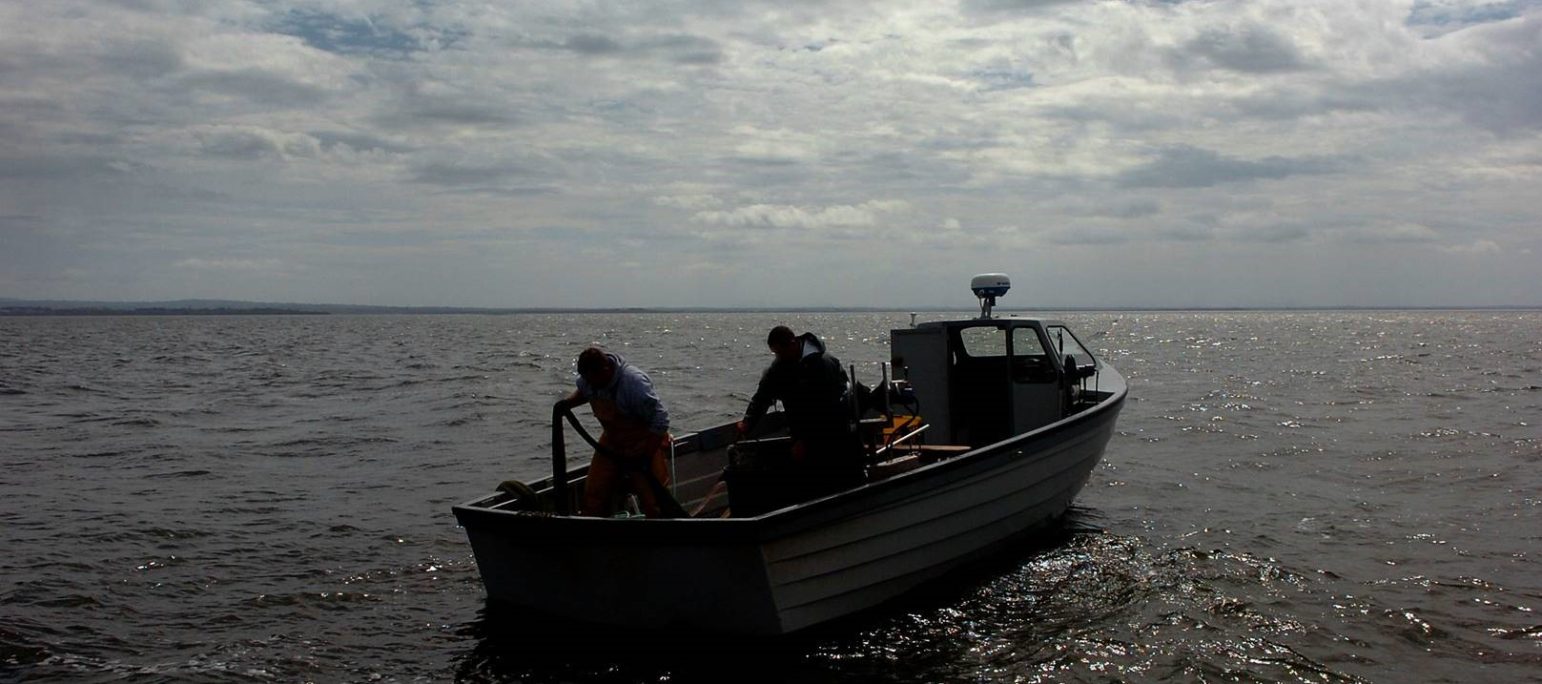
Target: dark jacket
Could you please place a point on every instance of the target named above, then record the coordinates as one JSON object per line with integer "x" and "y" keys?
{"x": 813, "y": 390}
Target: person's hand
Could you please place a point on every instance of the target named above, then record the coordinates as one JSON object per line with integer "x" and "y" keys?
{"x": 742, "y": 428}
{"x": 568, "y": 403}
{"x": 799, "y": 452}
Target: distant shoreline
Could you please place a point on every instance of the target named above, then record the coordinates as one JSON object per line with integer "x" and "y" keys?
{"x": 153, "y": 311}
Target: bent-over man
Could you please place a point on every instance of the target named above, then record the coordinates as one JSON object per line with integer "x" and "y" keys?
{"x": 635, "y": 441}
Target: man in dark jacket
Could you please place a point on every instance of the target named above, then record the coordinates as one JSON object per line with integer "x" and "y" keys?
{"x": 816, "y": 394}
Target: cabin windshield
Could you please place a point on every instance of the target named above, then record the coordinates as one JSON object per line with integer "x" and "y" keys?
{"x": 983, "y": 342}
{"x": 1066, "y": 344}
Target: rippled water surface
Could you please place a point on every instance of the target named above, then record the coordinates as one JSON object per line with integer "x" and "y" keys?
{"x": 1302, "y": 496}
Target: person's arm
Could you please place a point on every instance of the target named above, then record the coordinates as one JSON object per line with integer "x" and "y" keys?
{"x": 571, "y": 401}
{"x": 765, "y": 395}
{"x": 651, "y": 409}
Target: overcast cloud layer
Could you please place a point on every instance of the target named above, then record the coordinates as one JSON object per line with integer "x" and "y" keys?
{"x": 1219, "y": 153}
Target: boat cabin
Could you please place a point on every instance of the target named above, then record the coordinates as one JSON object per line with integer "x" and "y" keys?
{"x": 991, "y": 378}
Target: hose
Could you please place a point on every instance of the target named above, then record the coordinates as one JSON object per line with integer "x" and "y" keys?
{"x": 668, "y": 505}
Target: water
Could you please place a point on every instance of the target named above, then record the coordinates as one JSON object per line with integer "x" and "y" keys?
{"x": 1304, "y": 496}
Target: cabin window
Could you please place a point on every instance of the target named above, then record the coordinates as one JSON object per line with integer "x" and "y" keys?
{"x": 983, "y": 342}
{"x": 1029, "y": 361}
{"x": 1066, "y": 344}
{"x": 1025, "y": 342}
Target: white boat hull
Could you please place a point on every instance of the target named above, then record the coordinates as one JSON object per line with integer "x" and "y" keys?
{"x": 799, "y": 566}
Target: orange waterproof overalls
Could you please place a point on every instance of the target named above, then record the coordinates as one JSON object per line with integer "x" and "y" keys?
{"x": 611, "y": 476}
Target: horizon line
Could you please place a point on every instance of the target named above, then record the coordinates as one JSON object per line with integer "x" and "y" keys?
{"x": 15, "y": 306}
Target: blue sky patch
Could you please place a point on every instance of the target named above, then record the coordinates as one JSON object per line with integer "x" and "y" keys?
{"x": 350, "y": 36}
{"x": 1450, "y": 17}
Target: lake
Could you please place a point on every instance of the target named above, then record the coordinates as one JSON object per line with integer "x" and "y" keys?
{"x": 1336, "y": 496}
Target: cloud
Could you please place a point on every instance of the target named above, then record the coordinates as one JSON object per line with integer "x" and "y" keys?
{"x": 1257, "y": 222}
{"x": 226, "y": 265}
{"x": 1010, "y": 6}
{"x": 421, "y": 102}
{"x": 358, "y": 142}
{"x": 1123, "y": 208}
{"x": 693, "y": 202}
{"x": 773, "y": 146}
{"x": 1250, "y": 49}
{"x": 1191, "y": 167}
{"x": 589, "y": 44}
{"x": 251, "y": 142}
{"x": 61, "y": 167}
{"x": 1273, "y": 233}
{"x": 1184, "y": 232}
{"x": 686, "y": 49}
{"x": 787, "y": 216}
{"x": 471, "y": 172}
{"x": 1401, "y": 232}
{"x": 1089, "y": 235}
{"x": 1477, "y": 247}
{"x": 1486, "y": 73}
{"x": 1497, "y": 86}
{"x": 265, "y": 69}
{"x": 259, "y": 86}
{"x": 677, "y": 48}
{"x": 518, "y": 142}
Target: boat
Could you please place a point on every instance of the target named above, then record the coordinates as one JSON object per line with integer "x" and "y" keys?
{"x": 983, "y": 436}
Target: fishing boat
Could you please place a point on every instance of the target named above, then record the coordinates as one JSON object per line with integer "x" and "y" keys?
{"x": 982, "y": 437}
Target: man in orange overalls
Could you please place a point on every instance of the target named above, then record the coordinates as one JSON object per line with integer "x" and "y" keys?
{"x": 635, "y": 441}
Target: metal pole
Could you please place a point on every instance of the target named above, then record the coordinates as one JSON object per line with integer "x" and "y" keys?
{"x": 884, "y": 383}
{"x": 559, "y": 464}
{"x": 851, "y": 395}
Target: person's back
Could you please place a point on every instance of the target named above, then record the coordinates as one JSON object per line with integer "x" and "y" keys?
{"x": 813, "y": 390}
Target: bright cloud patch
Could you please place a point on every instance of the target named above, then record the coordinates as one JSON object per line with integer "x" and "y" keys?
{"x": 784, "y": 216}
{"x": 1476, "y": 247}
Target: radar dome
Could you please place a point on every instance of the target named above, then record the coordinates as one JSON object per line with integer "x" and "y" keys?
{"x": 990, "y": 284}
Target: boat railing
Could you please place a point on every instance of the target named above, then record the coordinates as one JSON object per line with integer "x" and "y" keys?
{"x": 903, "y": 440}
{"x": 559, "y": 459}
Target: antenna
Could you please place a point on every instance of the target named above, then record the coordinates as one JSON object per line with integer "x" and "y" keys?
{"x": 989, "y": 286}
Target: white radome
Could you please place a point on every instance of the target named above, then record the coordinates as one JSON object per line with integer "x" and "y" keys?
{"x": 990, "y": 284}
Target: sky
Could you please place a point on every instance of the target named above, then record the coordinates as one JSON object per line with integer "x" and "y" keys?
{"x": 1210, "y": 153}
